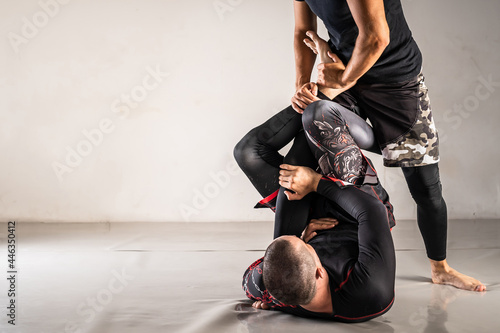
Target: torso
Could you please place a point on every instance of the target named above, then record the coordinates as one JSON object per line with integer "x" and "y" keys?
{"x": 401, "y": 60}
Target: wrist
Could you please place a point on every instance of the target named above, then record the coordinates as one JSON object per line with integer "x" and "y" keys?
{"x": 317, "y": 177}
{"x": 346, "y": 81}
{"x": 299, "y": 85}
{"x": 300, "y": 81}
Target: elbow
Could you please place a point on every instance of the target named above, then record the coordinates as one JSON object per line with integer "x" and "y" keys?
{"x": 380, "y": 42}
{"x": 383, "y": 40}
{"x": 377, "y": 41}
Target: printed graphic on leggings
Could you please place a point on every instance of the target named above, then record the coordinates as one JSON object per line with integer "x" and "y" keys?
{"x": 338, "y": 155}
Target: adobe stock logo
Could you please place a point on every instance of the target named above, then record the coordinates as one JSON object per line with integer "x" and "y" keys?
{"x": 31, "y": 27}
{"x": 210, "y": 190}
{"x": 95, "y": 136}
{"x": 92, "y": 306}
{"x": 471, "y": 103}
{"x": 222, "y": 7}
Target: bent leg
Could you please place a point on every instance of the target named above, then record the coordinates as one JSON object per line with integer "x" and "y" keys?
{"x": 257, "y": 153}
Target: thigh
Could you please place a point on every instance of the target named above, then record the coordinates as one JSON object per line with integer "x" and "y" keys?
{"x": 331, "y": 142}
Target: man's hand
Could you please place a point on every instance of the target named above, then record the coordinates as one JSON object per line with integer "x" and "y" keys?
{"x": 302, "y": 180}
{"x": 304, "y": 96}
{"x": 330, "y": 74}
{"x": 323, "y": 223}
{"x": 260, "y": 305}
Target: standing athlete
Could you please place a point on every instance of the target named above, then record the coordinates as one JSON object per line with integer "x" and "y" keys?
{"x": 382, "y": 77}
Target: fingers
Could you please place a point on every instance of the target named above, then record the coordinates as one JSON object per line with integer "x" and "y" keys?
{"x": 296, "y": 106}
{"x": 288, "y": 167}
{"x": 323, "y": 223}
{"x": 314, "y": 36}
{"x": 322, "y": 226}
{"x": 334, "y": 57}
{"x": 310, "y": 236}
{"x": 303, "y": 100}
{"x": 293, "y": 196}
{"x": 306, "y": 94}
{"x": 320, "y": 223}
{"x": 311, "y": 45}
{"x": 325, "y": 219}
{"x": 314, "y": 225}
{"x": 287, "y": 173}
{"x": 260, "y": 305}
{"x": 314, "y": 91}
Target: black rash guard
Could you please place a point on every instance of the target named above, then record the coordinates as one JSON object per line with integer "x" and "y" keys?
{"x": 400, "y": 61}
{"x": 358, "y": 255}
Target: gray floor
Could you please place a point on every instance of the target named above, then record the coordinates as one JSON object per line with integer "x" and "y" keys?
{"x": 186, "y": 277}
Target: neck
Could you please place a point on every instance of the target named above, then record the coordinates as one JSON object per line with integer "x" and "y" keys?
{"x": 322, "y": 301}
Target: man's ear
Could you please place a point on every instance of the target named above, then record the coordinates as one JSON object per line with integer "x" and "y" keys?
{"x": 320, "y": 273}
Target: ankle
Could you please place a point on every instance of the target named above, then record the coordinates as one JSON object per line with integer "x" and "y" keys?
{"x": 439, "y": 266}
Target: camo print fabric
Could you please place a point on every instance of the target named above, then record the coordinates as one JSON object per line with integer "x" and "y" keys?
{"x": 420, "y": 146}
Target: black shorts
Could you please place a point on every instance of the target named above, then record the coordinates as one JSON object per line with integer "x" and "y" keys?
{"x": 401, "y": 118}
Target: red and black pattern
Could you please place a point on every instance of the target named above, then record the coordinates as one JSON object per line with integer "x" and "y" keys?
{"x": 253, "y": 285}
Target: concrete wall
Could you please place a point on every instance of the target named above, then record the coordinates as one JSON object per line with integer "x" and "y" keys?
{"x": 128, "y": 110}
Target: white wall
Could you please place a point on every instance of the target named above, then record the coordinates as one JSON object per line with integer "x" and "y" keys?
{"x": 67, "y": 70}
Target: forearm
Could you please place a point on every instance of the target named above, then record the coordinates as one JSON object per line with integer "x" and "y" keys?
{"x": 305, "y": 20}
{"x": 373, "y": 38}
{"x": 304, "y": 59}
{"x": 367, "y": 51}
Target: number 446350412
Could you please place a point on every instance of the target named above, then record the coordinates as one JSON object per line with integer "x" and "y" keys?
{"x": 11, "y": 247}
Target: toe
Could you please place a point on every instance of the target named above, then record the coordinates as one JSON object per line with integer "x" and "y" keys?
{"x": 480, "y": 287}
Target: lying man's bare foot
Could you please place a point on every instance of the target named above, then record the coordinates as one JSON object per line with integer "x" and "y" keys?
{"x": 320, "y": 47}
{"x": 442, "y": 273}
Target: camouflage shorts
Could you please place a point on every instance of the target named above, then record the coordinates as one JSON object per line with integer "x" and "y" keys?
{"x": 420, "y": 145}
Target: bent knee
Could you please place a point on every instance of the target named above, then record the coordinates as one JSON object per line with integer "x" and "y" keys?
{"x": 317, "y": 110}
{"x": 245, "y": 149}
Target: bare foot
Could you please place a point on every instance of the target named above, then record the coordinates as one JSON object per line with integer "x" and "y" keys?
{"x": 320, "y": 47}
{"x": 442, "y": 273}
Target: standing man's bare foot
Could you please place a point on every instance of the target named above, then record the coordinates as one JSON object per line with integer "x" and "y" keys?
{"x": 442, "y": 273}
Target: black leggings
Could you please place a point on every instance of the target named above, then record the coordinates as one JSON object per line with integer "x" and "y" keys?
{"x": 425, "y": 188}
{"x": 257, "y": 155}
